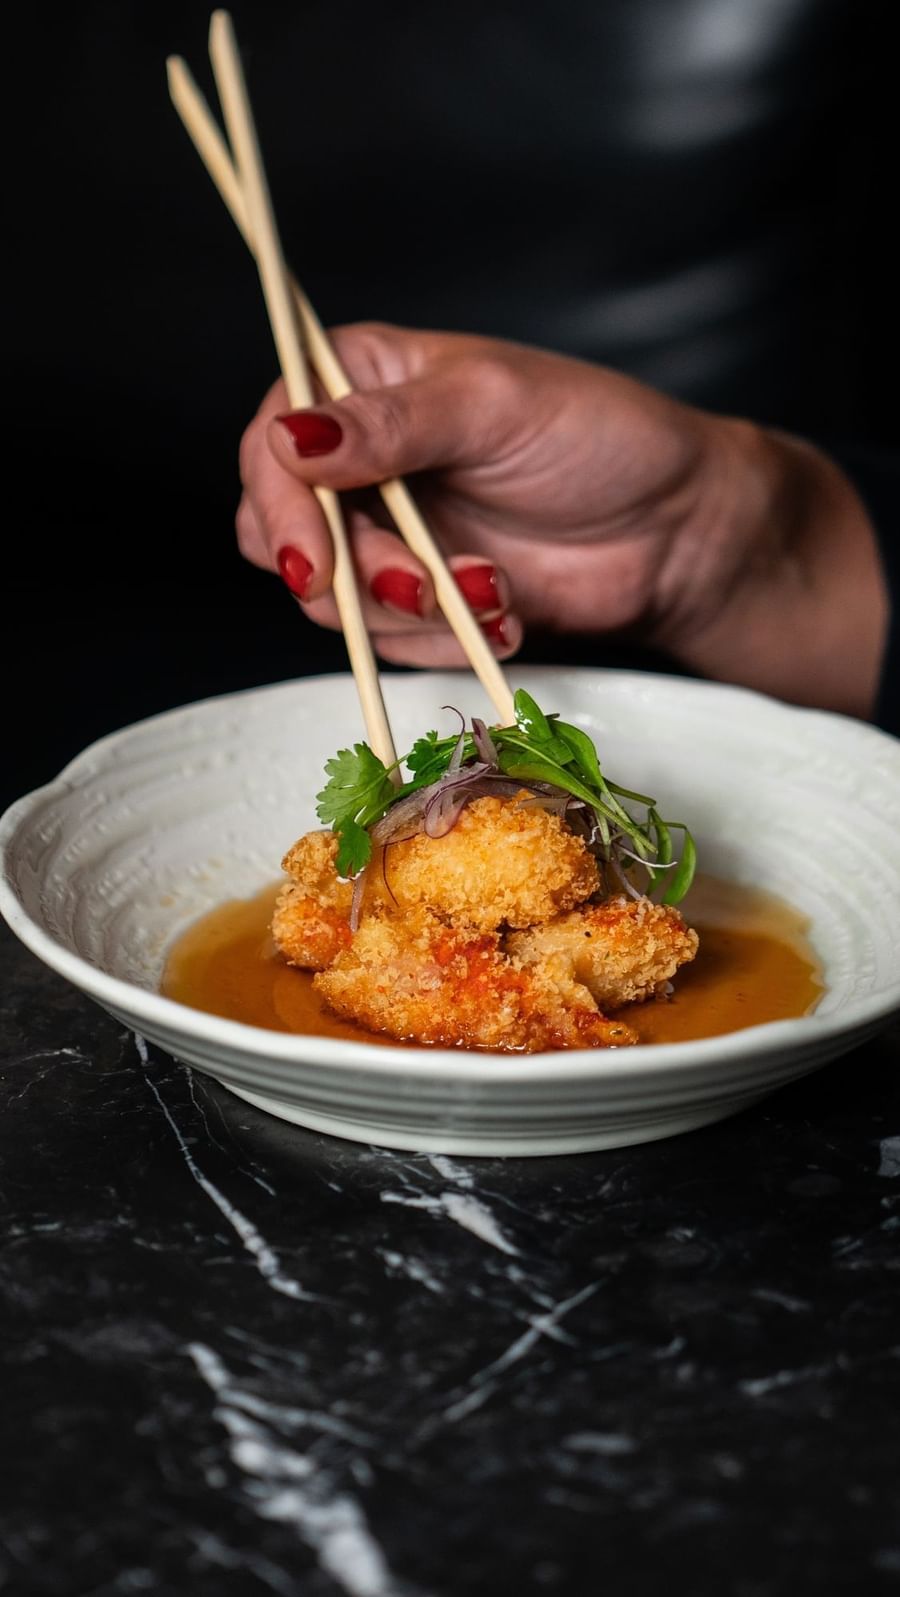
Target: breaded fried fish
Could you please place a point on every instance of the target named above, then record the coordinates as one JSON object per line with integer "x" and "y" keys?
{"x": 462, "y": 971}
{"x": 311, "y": 923}
{"x": 479, "y": 916}
{"x": 503, "y": 864}
{"x": 419, "y": 979}
{"x": 622, "y": 951}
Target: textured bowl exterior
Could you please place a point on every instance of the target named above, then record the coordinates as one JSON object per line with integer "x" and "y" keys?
{"x": 148, "y": 829}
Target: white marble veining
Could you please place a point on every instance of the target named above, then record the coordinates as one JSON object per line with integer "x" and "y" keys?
{"x": 288, "y": 1486}
{"x": 889, "y": 1166}
{"x": 436, "y": 1414}
{"x": 764, "y": 1384}
{"x": 466, "y": 1211}
{"x": 483, "y": 1383}
{"x": 265, "y": 1259}
{"x": 413, "y": 1269}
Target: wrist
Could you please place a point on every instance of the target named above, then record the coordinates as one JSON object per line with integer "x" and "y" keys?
{"x": 781, "y": 586}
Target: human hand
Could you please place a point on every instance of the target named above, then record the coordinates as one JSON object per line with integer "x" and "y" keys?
{"x": 570, "y": 497}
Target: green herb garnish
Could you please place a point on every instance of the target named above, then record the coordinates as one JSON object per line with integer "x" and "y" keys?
{"x": 555, "y": 761}
{"x": 358, "y": 792}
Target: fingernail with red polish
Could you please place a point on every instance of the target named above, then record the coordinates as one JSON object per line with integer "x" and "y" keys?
{"x": 295, "y": 571}
{"x": 479, "y": 587}
{"x": 495, "y": 630}
{"x": 399, "y": 590}
{"x": 311, "y": 433}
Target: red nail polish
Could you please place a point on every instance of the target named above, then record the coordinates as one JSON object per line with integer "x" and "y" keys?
{"x": 495, "y": 629}
{"x": 295, "y": 571}
{"x": 400, "y": 589}
{"x": 311, "y": 433}
{"x": 478, "y": 585}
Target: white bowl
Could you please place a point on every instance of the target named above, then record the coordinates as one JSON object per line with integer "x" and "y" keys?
{"x": 149, "y": 828}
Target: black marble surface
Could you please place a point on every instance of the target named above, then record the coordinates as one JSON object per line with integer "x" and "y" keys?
{"x": 243, "y": 1358}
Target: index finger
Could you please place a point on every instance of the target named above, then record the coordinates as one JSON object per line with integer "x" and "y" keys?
{"x": 291, "y": 524}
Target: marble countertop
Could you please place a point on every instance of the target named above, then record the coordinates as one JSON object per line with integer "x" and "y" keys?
{"x": 244, "y": 1358}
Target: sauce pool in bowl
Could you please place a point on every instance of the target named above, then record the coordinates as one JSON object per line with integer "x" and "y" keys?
{"x": 755, "y": 963}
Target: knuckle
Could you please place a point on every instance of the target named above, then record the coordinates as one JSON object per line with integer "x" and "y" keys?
{"x": 389, "y": 422}
{"x": 371, "y": 352}
{"x": 494, "y": 377}
{"x": 502, "y": 393}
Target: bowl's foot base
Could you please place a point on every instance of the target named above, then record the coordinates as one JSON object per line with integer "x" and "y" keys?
{"x": 451, "y": 1139}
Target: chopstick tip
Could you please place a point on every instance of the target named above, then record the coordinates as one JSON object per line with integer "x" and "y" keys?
{"x": 219, "y": 21}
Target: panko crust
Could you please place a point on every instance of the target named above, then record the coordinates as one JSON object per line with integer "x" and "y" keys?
{"x": 418, "y": 979}
{"x": 307, "y": 933}
{"x": 622, "y": 951}
{"x": 311, "y": 864}
{"x": 311, "y": 923}
{"x": 480, "y": 939}
{"x": 501, "y": 865}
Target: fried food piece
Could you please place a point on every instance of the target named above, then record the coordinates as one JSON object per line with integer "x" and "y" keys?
{"x": 501, "y": 864}
{"x": 311, "y": 864}
{"x": 311, "y": 923}
{"x": 421, "y": 980}
{"x": 479, "y": 939}
{"x": 622, "y": 951}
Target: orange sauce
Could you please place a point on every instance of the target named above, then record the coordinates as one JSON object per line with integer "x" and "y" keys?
{"x": 755, "y": 963}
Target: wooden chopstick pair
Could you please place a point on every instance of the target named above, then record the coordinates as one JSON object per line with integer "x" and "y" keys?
{"x": 241, "y": 181}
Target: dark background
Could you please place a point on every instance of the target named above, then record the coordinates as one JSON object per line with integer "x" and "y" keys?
{"x": 694, "y": 190}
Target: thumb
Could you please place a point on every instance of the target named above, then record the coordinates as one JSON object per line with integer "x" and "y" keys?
{"x": 427, "y": 422}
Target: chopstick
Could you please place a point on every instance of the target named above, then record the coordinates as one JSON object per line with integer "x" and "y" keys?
{"x": 273, "y": 274}
{"x": 210, "y": 145}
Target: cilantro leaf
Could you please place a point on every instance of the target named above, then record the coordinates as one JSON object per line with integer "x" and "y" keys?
{"x": 358, "y": 781}
{"x": 354, "y": 849}
{"x": 358, "y": 792}
{"x": 428, "y": 760}
{"x": 423, "y": 751}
